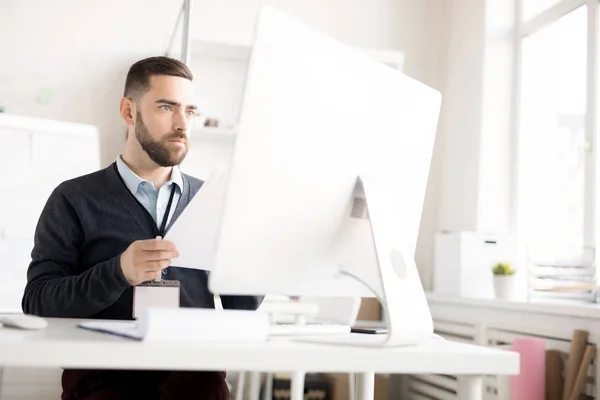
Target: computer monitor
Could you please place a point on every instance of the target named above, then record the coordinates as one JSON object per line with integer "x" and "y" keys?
{"x": 329, "y": 169}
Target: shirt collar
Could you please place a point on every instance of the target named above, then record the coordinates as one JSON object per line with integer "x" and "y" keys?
{"x": 133, "y": 181}
{"x": 176, "y": 178}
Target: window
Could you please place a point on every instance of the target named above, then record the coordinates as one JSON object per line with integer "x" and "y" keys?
{"x": 532, "y": 8}
{"x": 553, "y": 150}
{"x": 557, "y": 161}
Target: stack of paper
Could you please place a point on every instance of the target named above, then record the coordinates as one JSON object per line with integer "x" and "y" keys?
{"x": 189, "y": 325}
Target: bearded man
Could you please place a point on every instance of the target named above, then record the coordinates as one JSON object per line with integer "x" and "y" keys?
{"x": 99, "y": 236}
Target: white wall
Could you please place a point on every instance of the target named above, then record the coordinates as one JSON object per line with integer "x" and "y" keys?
{"x": 496, "y": 162}
{"x": 67, "y": 59}
{"x": 459, "y": 127}
{"x": 397, "y": 24}
{"x": 475, "y": 133}
{"x": 79, "y": 51}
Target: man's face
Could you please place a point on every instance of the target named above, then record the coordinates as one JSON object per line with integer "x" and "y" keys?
{"x": 163, "y": 118}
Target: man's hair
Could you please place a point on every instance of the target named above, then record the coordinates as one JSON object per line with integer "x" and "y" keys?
{"x": 138, "y": 77}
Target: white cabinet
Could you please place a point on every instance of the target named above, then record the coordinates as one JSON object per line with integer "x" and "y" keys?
{"x": 36, "y": 155}
{"x": 56, "y": 157}
{"x": 463, "y": 263}
{"x": 14, "y": 157}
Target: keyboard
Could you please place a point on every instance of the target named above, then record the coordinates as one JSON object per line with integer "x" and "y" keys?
{"x": 308, "y": 329}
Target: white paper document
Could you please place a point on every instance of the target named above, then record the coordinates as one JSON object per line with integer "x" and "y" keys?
{"x": 126, "y": 329}
{"x": 188, "y": 325}
{"x": 195, "y": 231}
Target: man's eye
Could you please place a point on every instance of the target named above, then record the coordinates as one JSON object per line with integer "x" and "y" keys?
{"x": 165, "y": 107}
{"x": 191, "y": 113}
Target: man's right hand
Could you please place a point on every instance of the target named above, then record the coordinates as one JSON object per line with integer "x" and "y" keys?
{"x": 144, "y": 259}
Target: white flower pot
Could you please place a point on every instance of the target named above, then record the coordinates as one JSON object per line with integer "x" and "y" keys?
{"x": 504, "y": 286}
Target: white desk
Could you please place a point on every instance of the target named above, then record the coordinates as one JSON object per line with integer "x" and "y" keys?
{"x": 65, "y": 345}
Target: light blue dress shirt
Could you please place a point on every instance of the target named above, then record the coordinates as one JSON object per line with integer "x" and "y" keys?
{"x": 155, "y": 201}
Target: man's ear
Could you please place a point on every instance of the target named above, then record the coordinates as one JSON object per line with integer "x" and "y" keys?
{"x": 127, "y": 110}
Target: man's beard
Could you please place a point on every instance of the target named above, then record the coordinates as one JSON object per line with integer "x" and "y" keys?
{"x": 159, "y": 151}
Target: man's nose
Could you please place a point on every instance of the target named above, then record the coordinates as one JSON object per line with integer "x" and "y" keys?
{"x": 181, "y": 124}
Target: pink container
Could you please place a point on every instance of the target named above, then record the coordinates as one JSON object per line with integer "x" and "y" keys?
{"x": 530, "y": 384}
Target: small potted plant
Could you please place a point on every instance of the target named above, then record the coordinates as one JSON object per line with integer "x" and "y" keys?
{"x": 504, "y": 281}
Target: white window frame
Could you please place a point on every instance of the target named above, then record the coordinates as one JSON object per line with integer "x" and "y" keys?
{"x": 522, "y": 30}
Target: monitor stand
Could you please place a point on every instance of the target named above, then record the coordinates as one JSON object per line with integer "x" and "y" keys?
{"x": 373, "y": 249}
